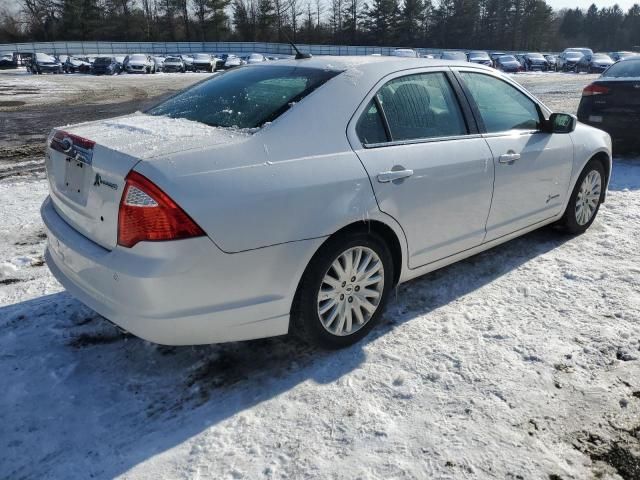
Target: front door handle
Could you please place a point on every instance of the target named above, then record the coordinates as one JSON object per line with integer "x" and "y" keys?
{"x": 390, "y": 176}
{"x": 509, "y": 157}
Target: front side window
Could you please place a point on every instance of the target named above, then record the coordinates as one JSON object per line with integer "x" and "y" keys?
{"x": 421, "y": 106}
{"x": 502, "y": 106}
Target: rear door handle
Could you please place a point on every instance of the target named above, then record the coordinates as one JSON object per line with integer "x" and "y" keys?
{"x": 509, "y": 157}
{"x": 391, "y": 175}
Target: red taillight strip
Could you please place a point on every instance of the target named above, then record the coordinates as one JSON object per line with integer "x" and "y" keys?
{"x": 148, "y": 222}
{"x": 594, "y": 89}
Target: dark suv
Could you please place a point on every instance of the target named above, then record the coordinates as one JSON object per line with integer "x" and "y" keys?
{"x": 106, "y": 66}
{"x": 535, "y": 61}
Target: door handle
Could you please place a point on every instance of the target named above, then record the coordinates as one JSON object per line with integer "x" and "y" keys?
{"x": 391, "y": 175}
{"x": 509, "y": 157}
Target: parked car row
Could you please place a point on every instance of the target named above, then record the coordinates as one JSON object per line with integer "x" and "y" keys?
{"x": 114, "y": 64}
{"x": 571, "y": 60}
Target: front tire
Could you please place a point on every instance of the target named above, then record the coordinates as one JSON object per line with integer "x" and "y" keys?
{"x": 343, "y": 291}
{"x": 585, "y": 200}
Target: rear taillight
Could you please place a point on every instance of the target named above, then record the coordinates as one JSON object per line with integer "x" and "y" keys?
{"x": 64, "y": 142}
{"x": 594, "y": 89}
{"x": 148, "y": 214}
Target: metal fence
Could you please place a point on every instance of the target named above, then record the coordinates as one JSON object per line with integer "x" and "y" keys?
{"x": 158, "y": 48}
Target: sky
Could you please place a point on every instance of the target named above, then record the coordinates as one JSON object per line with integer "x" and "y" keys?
{"x": 584, "y": 4}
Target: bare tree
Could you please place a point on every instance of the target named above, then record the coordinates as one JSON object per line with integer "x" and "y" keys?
{"x": 295, "y": 10}
{"x": 280, "y": 8}
{"x": 42, "y": 14}
{"x": 319, "y": 11}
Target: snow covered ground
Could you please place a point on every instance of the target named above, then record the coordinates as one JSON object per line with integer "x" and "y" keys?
{"x": 519, "y": 363}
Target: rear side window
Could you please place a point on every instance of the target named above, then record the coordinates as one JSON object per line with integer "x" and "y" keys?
{"x": 624, "y": 69}
{"x": 370, "y": 128}
{"x": 421, "y": 106}
{"x": 245, "y": 98}
{"x": 502, "y": 106}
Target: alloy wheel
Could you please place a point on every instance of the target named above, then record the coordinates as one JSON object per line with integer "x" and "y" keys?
{"x": 588, "y": 197}
{"x": 350, "y": 291}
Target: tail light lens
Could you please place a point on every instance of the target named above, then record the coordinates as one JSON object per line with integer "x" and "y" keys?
{"x": 148, "y": 214}
{"x": 594, "y": 89}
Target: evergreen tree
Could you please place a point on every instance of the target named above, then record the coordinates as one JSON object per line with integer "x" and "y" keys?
{"x": 265, "y": 20}
{"x": 411, "y": 22}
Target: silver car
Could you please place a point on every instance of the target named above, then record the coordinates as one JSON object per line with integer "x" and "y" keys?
{"x": 293, "y": 196}
{"x": 139, "y": 63}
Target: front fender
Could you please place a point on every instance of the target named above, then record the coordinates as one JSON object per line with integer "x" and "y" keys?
{"x": 587, "y": 143}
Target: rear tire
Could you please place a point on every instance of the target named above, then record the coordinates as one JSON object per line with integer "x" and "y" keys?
{"x": 585, "y": 200}
{"x": 343, "y": 291}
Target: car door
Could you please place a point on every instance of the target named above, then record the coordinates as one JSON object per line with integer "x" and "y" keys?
{"x": 429, "y": 167}
{"x": 532, "y": 168}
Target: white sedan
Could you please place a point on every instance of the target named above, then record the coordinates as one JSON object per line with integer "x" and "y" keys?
{"x": 293, "y": 196}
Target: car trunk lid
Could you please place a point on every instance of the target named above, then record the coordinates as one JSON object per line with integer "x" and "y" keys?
{"x": 623, "y": 96}
{"x": 87, "y": 164}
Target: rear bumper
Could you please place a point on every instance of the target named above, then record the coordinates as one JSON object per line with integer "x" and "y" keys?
{"x": 137, "y": 68}
{"x": 104, "y": 71}
{"x": 622, "y": 127}
{"x": 182, "y": 292}
{"x": 49, "y": 68}
{"x": 202, "y": 66}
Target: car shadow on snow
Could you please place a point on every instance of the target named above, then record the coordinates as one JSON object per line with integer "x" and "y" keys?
{"x": 86, "y": 399}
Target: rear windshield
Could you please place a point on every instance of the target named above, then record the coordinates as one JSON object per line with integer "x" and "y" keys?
{"x": 245, "y": 98}
{"x": 454, "y": 56}
{"x": 624, "y": 69}
{"x": 43, "y": 57}
{"x": 507, "y": 58}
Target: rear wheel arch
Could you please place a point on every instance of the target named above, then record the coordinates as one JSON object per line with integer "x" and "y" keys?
{"x": 386, "y": 233}
{"x": 375, "y": 228}
{"x": 371, "y": 234}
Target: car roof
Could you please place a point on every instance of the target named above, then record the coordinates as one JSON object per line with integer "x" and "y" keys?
{"x": 374, "y": 65}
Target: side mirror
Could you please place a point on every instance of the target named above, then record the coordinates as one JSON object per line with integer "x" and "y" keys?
{"x": 561, "y": 123}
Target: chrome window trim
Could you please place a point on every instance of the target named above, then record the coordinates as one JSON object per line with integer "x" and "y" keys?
{"x": 416, "y": 141}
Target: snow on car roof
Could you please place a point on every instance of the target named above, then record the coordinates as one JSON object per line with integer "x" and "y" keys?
{"x": 373, "y": 64}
